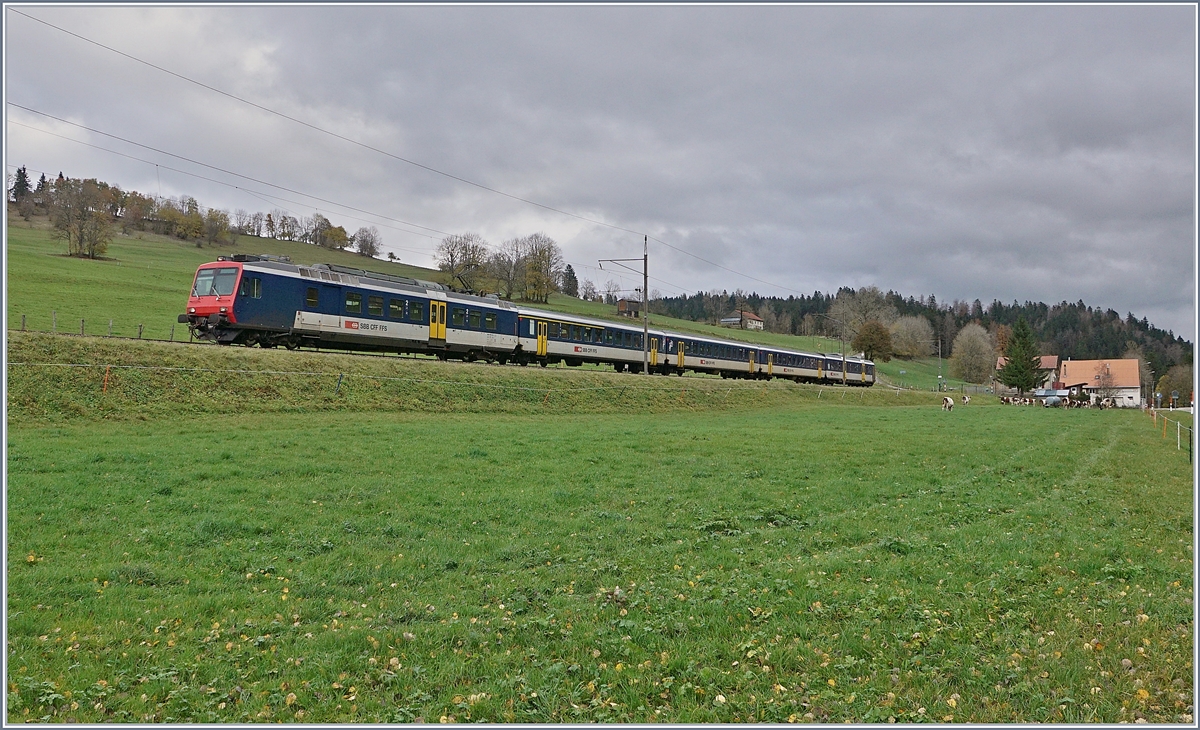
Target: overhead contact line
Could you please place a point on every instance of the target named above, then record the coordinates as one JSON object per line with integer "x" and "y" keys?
{"x": 399, "y": 158}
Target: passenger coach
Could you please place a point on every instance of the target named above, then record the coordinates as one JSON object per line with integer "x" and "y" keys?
{"x": 269, "y": 301}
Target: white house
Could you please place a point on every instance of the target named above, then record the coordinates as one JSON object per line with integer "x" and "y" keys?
{"x": 1117, "y": 379}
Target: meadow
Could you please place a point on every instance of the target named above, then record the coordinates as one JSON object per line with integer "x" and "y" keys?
{"x": 208, "y": 534}
{"x": 144, "y": 278}
{"x": 787, "y": 559}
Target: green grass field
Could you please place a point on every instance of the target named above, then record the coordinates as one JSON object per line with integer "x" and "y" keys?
{"x": 208, "y": 534}
{"x": 783, "y": 558}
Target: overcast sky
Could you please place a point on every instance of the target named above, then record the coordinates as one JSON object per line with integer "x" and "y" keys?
{"x": 1012, "y": 153}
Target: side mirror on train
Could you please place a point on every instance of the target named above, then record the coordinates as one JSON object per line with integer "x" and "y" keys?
{"x": 183, "y": 319}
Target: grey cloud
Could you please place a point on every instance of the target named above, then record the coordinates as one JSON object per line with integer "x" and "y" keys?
{"x": 963, "y": 151}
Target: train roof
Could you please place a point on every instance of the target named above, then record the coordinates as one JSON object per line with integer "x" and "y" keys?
{"x": 579, "y": 319}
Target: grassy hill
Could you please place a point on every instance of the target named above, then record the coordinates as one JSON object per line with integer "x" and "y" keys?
{"x": 144, "y": 279}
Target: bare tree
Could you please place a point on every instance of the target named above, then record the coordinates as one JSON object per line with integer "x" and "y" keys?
{"x": 256, "y": 224}
{"x": 462, "y": 257}
{"x": 241, "y": 220}
{"x": 507, "y": 266}
{"x": 974, "y": 354}
{"x": 1105, "y": 384}
{"x": 612, "y": 292}
{"x": 912, "y": 337}
{"x": 588, "y": 291}
{"x": 366, "y": 241}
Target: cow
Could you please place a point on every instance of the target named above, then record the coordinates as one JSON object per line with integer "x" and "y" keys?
{"x": 966, "y": 399}
{"x": 947, "y": 403}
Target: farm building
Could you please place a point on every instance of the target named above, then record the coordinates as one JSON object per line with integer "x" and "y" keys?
{"x": 743, "y": 320}
{"x": 1116, "y": 379}
{"x": 629, "y": 307}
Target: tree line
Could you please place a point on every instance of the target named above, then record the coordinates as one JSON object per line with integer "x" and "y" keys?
{"x": 971, "y": 335}
{"x": 88, "y": 212}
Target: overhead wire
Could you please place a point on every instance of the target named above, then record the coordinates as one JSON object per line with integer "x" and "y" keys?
{"x": 394, "y": 156}
{"x": 221, "y": 169}
{"x": 258, "y": 194}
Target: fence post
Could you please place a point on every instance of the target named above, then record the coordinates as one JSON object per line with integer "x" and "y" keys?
{"x": 110, "y": 328}
{"x": 339, "y": 385}
{"x": 1178, "y": 426}
{"x": 81, "y": 326}
{"x": 172, "y": 334}
{"x": 22, "y": 323}
{"x": 53, "y": 321}
{"x": 139, "y": 331}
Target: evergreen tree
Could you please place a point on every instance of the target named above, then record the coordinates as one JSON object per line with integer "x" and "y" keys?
{"x": 21, "y": 187}
{"x": 1022, "y": 370}
{"x": 570, "y": 283}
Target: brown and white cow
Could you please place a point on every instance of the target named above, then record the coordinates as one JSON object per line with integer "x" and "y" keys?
{"x": 947, "y": 403}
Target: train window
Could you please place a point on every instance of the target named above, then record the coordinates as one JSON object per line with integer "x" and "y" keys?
{"x": 608, "y": 337}
{"x": 628, "y": 339}
{"x": 473, "y": 318}
{"x": 396, "y": 308}
{"x": 211, "y": 282}
{"x": 576, "y": 332}
{"x": 553, "y": 330}
{"x": 637, "y": 340}
{"x": 353, "y": 302}
{"x": 458, "y": 317}
{"x": 250, "y": 287}
{"x": 489, "y": 321}
{"x": 416, "y": 311}
{"x": 311, "y": 297}
{"x": 375, "y": 306}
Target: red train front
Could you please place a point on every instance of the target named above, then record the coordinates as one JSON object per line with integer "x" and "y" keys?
{"x": 211, "y": 303}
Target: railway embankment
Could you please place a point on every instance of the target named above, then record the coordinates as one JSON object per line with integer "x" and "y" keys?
{"x": 65, "y": 378}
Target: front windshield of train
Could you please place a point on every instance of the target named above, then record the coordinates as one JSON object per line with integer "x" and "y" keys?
{"x": 211, "y": 282}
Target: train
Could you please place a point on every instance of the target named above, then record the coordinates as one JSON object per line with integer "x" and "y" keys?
{"x": 268, "y": 301}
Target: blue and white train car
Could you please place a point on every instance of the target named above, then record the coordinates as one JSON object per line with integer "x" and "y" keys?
{"x": 269, "y": 301}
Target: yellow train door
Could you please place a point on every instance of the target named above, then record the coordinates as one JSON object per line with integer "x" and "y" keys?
{"x": 770, "y": 363}
{"x": 751, "y": 361}
{"x": 543, "y": 345}
{"x": 653, "y": 351}
{"x": 437, "y": 322}
{"x": 681, "y": 349}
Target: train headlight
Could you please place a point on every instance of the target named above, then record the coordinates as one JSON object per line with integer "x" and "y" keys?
{"x": 222, "y": 309}
{"x": 191, "y": 310}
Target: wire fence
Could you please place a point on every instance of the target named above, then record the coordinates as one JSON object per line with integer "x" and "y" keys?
{"x": 111, "y": 327}
{"x": 1179, "y": 430}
